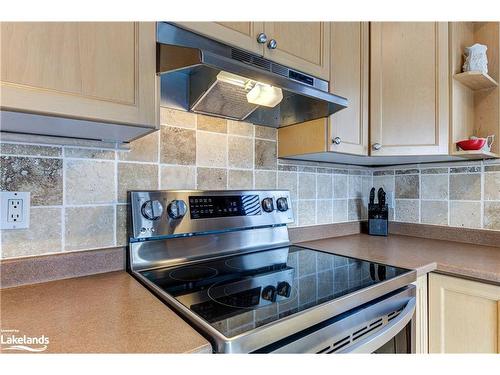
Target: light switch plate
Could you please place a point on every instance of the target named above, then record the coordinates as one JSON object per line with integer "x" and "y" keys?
{"x": 390, "y": 199}
{"x": 14, "y": 210}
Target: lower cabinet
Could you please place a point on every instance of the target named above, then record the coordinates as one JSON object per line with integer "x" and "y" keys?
{"x": 464, "y": 316}
{"x": 421, "y": 316}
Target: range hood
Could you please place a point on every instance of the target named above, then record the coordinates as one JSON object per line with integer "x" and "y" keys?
{"x": 204, "y": 76}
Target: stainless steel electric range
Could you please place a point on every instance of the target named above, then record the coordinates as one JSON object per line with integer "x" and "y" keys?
{"x": 223, "y": 261}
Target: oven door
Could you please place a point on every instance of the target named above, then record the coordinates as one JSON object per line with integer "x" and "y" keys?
{"x": 386, "y": 325}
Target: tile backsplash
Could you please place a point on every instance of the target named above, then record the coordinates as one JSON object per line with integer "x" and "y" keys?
{"x": 459, "y": 194}
{"x": 79, "y": 194}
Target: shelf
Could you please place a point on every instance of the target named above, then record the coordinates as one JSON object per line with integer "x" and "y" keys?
{"x": 476, "y": 80}
{"x": 476, "y": 154}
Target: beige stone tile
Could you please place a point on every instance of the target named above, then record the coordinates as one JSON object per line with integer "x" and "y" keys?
{"x": 121, "y": 224}
{"x": 265, "y": 154}
{"x": 465, "y": 186}
{"x": 43, "y": 236}
{"x": 177, "y": 146}
{"x": 325, "y": 211}
{"x": 211, "y": 179}
{"x": 177, "y": 177}
{"x": 307, "y": 186}
{"x": 356, "y": 210}
{"x": 324, "y": 186}
{"x": 132, "y": 176}
{"x": 340, "y": 186}
{"x": 434, "y": 212}
{"x": 211, "y": 124}
{"x": 89, "y": 181}
{"x": 177, "y": 118}
{"x": 240, "y": 128}
{"x": 386, "y": 182}
{"x": 355, "y": 187}
{"x": 89, "y": 227}
{"x": 142, "y": 149}
{"x": 240, "y": 179}
{"x": 465, "y": 214}
{"x": 366, "y": 185}
{"x": 29, "y": 150}
{"x": 40, "y": 176}
{"x": 89, "y": 153}
{"x": 339, "y": 210}
{"x": 265, "y": 179}
{"x": 407, "y": 186}
{"x": 240, "y": 152}
{"x": 406, "y": 210}
{"x": 492, "y": 186}
{"x": 492, "y": 215}
{"x": 434, "y": 186}
{"x": 306, "y": 213}
{"x": 288, "y": 181}
{"x": 265, "y": 132}
{"x": 211, "y": 150}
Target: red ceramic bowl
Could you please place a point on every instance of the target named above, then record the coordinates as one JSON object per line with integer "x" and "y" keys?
{"x": 471, "y": 144}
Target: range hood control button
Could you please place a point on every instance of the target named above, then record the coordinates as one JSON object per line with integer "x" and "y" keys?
{"x": 152, "y": 210}
{"x": 282, "y": 204}
{"x": 269, "y": 293}
{"x": 268, "y": 205}
{"x": 177, "y": 209}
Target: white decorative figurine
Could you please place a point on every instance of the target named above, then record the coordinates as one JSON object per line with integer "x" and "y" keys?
{"x": 476, "y": 59}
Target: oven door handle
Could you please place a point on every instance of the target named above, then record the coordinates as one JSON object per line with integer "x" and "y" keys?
{"x": 372, "y": 343}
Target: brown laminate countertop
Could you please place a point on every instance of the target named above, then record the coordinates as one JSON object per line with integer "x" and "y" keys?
{"x": 424, "y": 255}
{"x": 104, "y": 313}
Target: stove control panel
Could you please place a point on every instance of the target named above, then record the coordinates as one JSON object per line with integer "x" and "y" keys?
{"x": 189, "y": 212}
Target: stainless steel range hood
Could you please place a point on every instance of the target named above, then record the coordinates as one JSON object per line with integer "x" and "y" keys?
{"x": 204, "y": 76}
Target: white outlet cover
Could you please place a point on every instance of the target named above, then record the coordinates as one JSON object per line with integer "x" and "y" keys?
{"x": 5, "y": 196}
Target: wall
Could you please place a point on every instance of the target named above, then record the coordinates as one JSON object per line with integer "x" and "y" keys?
{"x": 459, "y": 194}
{"x": 79, "y": 194}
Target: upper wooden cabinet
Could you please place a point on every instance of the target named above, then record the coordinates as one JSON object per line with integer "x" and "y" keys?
{"x": 464, "y": 316}
{"x": 349, "y": 68}
{"x": 99, "y": 71}
{"x": 300, "y": 45}
{"x": 239, "y": 34}
{"x": 409, "y": 95}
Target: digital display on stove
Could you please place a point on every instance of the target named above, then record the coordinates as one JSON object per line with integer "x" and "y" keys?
{"x": 203, "y": 207}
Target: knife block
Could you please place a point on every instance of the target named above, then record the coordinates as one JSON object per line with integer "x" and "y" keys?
{"x": 378, "y": 219}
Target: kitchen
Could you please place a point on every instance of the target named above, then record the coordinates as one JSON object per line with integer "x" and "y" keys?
{"x": 250, "y": 187}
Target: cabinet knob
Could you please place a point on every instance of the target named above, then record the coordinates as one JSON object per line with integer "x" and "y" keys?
{"x": 337, "y": 140}
{"x": 272, "y": 44}
{"x": 261, "y": 38}
{"x": 376, "y": 146}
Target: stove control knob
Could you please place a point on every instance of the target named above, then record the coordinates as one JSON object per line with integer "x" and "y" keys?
{"x": 177, "y": 209}
{"x": 152, "y": 210}
{"x": 269, "y": 293}
{"x": 282, "y": 204}
{"x": 284, "y": 289}
{"x": 268, "y": 205}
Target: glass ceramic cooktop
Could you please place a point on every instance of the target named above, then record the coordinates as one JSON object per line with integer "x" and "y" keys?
{"x": 238, "y": 293}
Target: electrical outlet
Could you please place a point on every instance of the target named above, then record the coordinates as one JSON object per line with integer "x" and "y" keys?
{"x": 14, "y": 210}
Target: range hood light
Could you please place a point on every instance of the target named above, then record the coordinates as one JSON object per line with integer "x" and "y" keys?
{"x": 234, "y": 79}
{"x": 265, "y": 95}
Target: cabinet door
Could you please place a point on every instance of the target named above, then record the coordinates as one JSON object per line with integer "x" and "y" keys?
{"x": 103, "y": 71}
{"x": 349, "y": 78}
{"x": 421, "y": 326}
{"x": 239, "y": 34}
{"x": 409, "y": 88}
{"x": 304, "y": 46}
{"x": 463, "y": 316}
